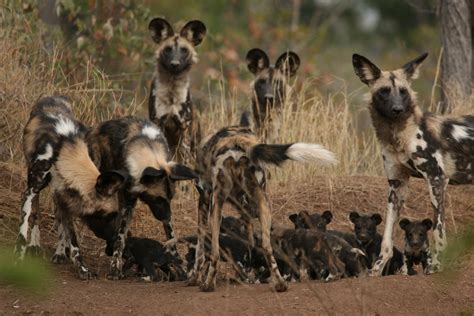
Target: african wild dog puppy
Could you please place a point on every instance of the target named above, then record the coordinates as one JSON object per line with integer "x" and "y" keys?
{"x": 350, "y": 254}
{"x": 437, "y": 148}
{"x": 151, "y": 256}
{"x": 139, "y": 147}
{"x": 365, "y": 229}
{"x": 417, "y": 247}
{"x": 170, "y": 105}
{"x": 233, "y": 244}
{"x": 269, "y": 89}
{"x": 56, "y": 153}
{"x": 304, "y": 254}
{"x": 231, "y": 167}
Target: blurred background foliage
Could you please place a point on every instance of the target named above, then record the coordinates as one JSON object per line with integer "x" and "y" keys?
{"x": 113, "y": 35}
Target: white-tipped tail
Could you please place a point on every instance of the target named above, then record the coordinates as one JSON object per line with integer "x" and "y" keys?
{"x": 311, "y": 153}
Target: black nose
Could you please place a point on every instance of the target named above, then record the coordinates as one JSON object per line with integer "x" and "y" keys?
{"x": 397, "y": 110}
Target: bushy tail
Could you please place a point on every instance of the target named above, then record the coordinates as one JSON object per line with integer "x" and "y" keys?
{"x": 277, "y": 154}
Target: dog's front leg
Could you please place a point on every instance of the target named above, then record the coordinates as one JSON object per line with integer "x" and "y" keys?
{"x": 398, "y": 183}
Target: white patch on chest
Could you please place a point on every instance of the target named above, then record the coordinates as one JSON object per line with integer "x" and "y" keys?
{"x": 170, "y": 97}
{"x": 151, "y": 132}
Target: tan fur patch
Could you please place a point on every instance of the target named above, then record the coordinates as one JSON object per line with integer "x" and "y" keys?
{"x": 29, "y": 136}
{"x": 182, "y": 42}
{"x": 142, "y": 154}
{"x": 76, "y": 167}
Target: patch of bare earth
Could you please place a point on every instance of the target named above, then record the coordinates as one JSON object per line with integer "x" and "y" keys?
{"x": 438, "y": 295}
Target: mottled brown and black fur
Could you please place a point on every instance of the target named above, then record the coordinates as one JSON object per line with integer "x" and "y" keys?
{"x": 231, "y": 169}
{"x": 170, "y": 105}
{"x": 437, "y": 148}
{"x": 139, "y": 148}
{"x": 269, "y": 89}
{"x": 417, "y": 243}
{"x": 341, "y": 243}
{"x": 56, "y": 153}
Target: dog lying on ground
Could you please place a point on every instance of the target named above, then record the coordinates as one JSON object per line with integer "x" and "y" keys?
{"x": 352, "y": 257}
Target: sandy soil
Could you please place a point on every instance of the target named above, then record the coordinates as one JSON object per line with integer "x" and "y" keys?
{"x": 438, "y": 295}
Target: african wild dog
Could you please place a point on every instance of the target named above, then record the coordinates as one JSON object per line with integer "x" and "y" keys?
{"x": 417, "y": 247}
{"x": 231, "y": 169}
{"x": 170, "y": 105}
{"x": 341, "y": 243}
{"x": 56, "y": 153}
{"x": 269, "y": 89}
{"x": 437, "y": 148}
{"x": 139, "y": 147}
{"x": 150, "y": 256}
{"x": 370, "y": 241}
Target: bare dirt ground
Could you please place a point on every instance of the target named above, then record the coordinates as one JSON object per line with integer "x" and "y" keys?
{"x": 438, "y": 295}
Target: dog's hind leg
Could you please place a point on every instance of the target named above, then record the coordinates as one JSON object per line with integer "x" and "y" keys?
{"x": 437, "y": 188}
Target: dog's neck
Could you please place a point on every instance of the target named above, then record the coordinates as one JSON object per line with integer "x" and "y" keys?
{"x": 395, "y": 133}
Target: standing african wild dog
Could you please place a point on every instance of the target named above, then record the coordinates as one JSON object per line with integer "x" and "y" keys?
{"x": 231, "y": 169}
{"x": 269, "y": 89}
{"x": 437, "y": 148}
{"x": 170, "y": 105}
{"x": 139, "y": 147}
{"x": 56, "y": 153}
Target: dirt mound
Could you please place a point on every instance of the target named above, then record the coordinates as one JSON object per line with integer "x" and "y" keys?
{"x": 394, "y": 294}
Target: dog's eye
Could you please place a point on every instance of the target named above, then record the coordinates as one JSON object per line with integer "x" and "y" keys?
{"x": 385, "y": 91}
{"x": 261, "y": 82}
{"x": 168, "y": 50}
{"x": 403, "y": 92}
{"x": 184, "y": 50}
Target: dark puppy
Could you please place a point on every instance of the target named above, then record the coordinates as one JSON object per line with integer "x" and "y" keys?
{"x": 417, "y": 246}
{"x": 234, "y": 247}
{"x": 351, "y": 255}
{"x": 151, "y": 256}
{"x": 365, "y": 228}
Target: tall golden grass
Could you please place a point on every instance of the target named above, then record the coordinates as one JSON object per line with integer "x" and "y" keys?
{"x": 27, "y": 73}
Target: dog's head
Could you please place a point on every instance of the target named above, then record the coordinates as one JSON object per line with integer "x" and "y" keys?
{"x": 270, "y": 84}
{"x": 314, "y": 221}
{"x": 365, "y": 226}
{"x": 416, "y": 233}
{"x": 175, "y": 52}
{"x": 390, "y": 91}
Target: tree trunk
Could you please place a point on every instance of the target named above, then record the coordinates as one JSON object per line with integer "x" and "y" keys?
{"x": 456, "y": 64}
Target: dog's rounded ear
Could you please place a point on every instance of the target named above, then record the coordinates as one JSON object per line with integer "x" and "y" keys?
{"x": 160, "y": 29}
{"x": 428, "y": 223}
{"x": 110, "y": 182}
{"x": 181, "y": 172}
{"x": 377, "y": 218}
{"x": 404, "y": 223}
{"x": 152, "y": 175}
{"x": 288, "y": 63}
{"x": 194, "y": 31}
{"x": 327, "y": 215}
{"x": 353, "y": 216}
{"x": 367, "y": 72}
{"x": 293, "y": 217}
{"x": 257, "y": 60}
